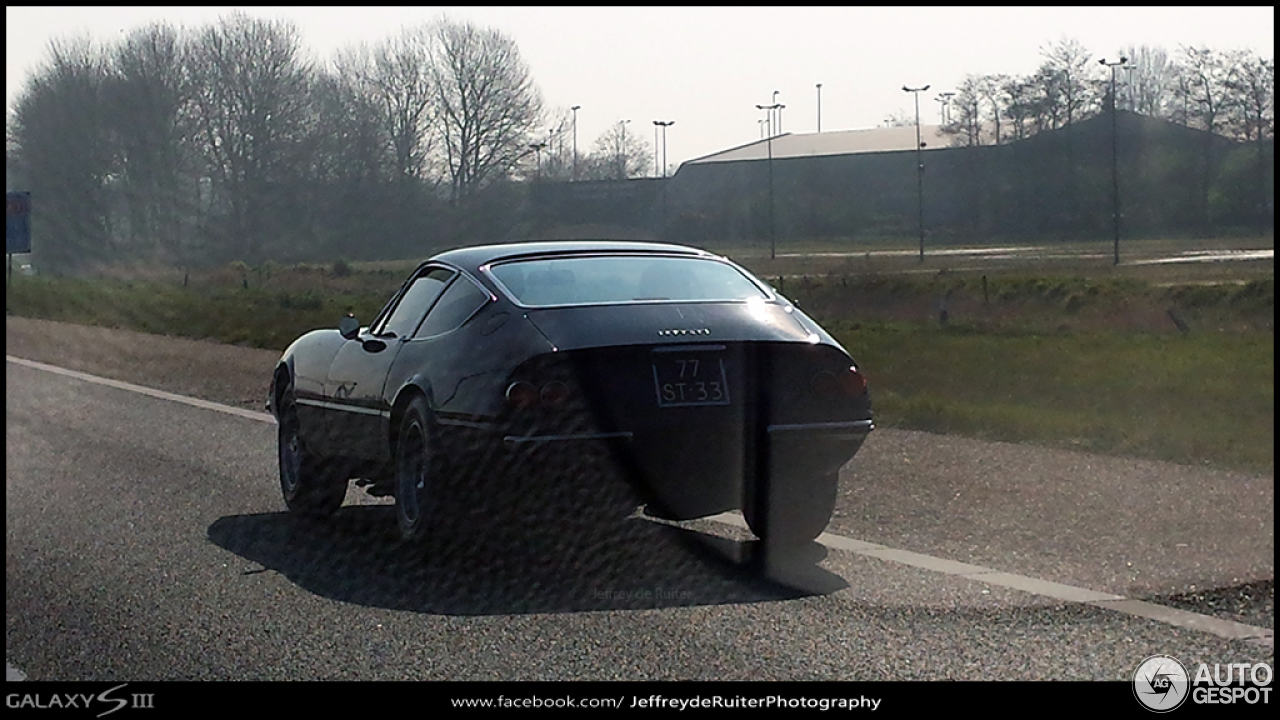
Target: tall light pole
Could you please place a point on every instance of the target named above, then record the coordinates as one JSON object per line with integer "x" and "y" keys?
{"x": 575, "y": 110}
{"x": 622, "y": 149}
{"x": 919, "y": 166}
{"x": 1131, "y": 102}
{"x": 945, "y": 100}
{"x": 1115, "y": 174}
{"x": 773, "y": 238}
{"x": 819, "y": 107}
{"x": 655, "y": 149}
{"x": 664, "y": 124}
{"x": 762, "y": 122}
{"x": 537, "y": 151}
{"x": 775, "y": 125}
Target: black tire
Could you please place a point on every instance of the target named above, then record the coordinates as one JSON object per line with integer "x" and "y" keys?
{"x": 803, "y": 507}
{"x": 311, "y": 487}
{"x": 417, "y": 473}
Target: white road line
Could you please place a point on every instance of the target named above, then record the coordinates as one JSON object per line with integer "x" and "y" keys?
{"x": 1264, "y": 637}
{"x": 13, "y": 674}
{"x": 151, "y": 392}
{"x": 1229, "y": 629}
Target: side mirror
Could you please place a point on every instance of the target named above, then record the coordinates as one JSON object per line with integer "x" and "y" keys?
{"x": 349, "y": 326}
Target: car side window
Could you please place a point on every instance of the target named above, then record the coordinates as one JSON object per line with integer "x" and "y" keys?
{"x": 458, "y": 303}
{"x": 414, "y": 302}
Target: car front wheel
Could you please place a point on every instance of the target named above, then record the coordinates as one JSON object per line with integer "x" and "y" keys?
{"x": 311, "y": 488}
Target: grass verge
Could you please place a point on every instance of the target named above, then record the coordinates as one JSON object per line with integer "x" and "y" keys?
{"x": 1194, "y": 399}
{"x": 1023, "y": 359}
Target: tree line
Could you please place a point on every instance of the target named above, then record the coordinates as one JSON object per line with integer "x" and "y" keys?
{"x": 1229, "y": 93}
{"x": 229, "y": 142}
{"x": 1221, "y": 93}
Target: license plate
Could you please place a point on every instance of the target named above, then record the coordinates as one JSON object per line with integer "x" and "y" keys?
{"x": 684, "y": 378}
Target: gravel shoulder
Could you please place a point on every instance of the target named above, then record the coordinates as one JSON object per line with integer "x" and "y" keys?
{"x": 227, "y": 374}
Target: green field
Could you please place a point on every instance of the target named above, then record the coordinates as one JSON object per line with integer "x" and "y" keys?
{"x": 1165, "y": 362}
{"x": 1198, "y": 399}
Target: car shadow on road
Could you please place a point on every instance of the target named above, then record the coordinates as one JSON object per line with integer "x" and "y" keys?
{"x": 561, "y": 566}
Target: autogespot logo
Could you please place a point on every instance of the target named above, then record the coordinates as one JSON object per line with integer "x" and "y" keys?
{"x": 1161, "y": 683}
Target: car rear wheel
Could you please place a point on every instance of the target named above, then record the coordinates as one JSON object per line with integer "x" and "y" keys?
{"x": 801, "y": 510}
{"x": 417, "y": 472}
{"x": 311, "y": 488}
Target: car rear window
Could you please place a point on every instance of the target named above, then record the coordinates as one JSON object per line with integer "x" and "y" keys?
{"x": 611, "y": 279}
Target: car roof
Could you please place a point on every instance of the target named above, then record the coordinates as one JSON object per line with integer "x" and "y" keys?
{"x": 477, "y": 255}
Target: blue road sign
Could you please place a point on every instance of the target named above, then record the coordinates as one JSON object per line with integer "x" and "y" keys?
{"x": 17, "y": 222}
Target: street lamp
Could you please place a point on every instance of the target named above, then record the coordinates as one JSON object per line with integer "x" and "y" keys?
{"x": 945, "y": 99}
{"x": 775, "y": 125}
{"x": 773, "y": 238}
{"x": 537, "y": 152}
{"x": 664, "y": 124}
{"x": 819, "y": 107}
{"x": 1115, "y": 174}
{"x": 575, "y": 110}
{"x": 622, "y": 149}
{"x": 656, "y": 158}
{"x": 919, "y": 166}
{"x": 1131, "y": 94}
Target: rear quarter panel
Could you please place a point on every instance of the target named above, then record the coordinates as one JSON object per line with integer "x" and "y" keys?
{"x": 463, "y": 373}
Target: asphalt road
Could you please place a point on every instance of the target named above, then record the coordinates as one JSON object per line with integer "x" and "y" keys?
{"x": 146, "y": 539}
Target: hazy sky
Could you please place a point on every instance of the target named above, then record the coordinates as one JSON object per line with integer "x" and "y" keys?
{"x": 707, "y": 68}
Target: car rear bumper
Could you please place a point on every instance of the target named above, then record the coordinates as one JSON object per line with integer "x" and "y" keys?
{"x": 704, "y": 473}
{"x": 851, "y": 428}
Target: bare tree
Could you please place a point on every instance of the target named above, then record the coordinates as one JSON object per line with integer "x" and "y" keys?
{"x": 1050, "y": 112}
{"x": 990, "y": 90}
{"x": 1019, "y": 100}
{"x": 1251, "y": 95}
{"x": 1071, "y": 72}
{"x": 352, "y": 142}
{"x": 618, "y": 155}
{"x": 966, "y": 116}
{"x": 149, "y": 97}
{"x": 394, "y": 79}
{"x": 486, "y": 103}
{"x": 61, "y": 133}
{"x": 557, "y": 156}
{"x": 1251, "y": 106}
{"x": 1072, "y": 64}
{"x": 251, "y": 102}
{"x": 1206, "y": 75}
{"x": 978, "y": 111}
{"x": 1151, "y": 79}
{"x": 13, "y": 172}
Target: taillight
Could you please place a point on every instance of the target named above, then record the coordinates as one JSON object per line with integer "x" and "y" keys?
{"x": 851, "y": 383}
{"x": 522, "y": 395}
{"x": 555, "y": 395}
